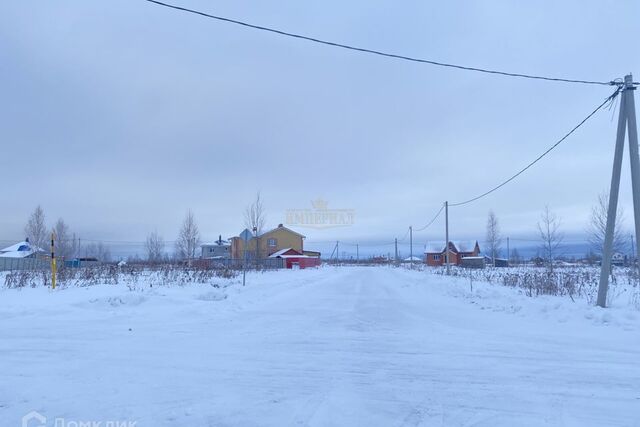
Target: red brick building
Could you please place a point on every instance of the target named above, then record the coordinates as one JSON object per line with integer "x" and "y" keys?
{"x": 294, "y": 259}
{"x": 434, "y": 255}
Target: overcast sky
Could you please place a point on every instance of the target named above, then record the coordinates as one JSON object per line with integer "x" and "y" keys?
{"x": 118, "y": 116}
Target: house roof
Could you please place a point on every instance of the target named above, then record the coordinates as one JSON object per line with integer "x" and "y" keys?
{"x": 216, "y": 243}
{"x": 246, "y": 234}
{"x": 250, "y": 235}
{"x": 282, "y": 227}
{"x": 459, "y": 245}
{"x": 283, "y": 254}
{"x": 280, "y": 252}
{"x": 19, "y": 250}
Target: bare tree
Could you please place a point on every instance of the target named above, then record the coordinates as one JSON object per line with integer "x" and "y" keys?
{"x": 36, "y": 230}
{"x": 549, "y": 230}
{"x": 597, "y": 226}
{"x": 254, "y": 220}
{"x": 99, "y": 250}
{"x": 188, "y": 239}
{"x": 155, "y": 247}
{"x": 75, "y": 245}
{"x": 515, "y": 256}
{"x": 64, "y": 242}
{"x": 493, "y": 238}
{"x": 254, "y": 215}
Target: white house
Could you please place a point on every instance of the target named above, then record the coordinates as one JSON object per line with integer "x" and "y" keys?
{"x": 21, "y": 250}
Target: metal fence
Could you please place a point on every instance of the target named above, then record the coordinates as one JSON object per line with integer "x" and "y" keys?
{"x": 260, "y": 264}
{"x": 11, "y": 264}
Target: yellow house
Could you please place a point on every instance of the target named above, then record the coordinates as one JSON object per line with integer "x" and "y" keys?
{"x": 268, "y": 242}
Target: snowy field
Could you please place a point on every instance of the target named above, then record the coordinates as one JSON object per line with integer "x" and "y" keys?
{"x": 351, "y": 346}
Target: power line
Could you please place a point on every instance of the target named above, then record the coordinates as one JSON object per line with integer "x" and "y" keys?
{"x": 486, "y": 193}
{"x": 432, "y": 220}
{"x": 405, "y": 236}
{"x": 380, "y": 53}
{"x": 366, "y": 244}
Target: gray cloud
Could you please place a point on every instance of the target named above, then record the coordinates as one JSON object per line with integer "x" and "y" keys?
{"x": 120, "y": 116}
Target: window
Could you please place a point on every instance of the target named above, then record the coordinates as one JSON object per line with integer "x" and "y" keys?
{"x": 272, "y": 243}
{"x": 436, "y": 257}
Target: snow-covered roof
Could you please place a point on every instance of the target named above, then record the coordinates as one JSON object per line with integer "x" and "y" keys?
{"x": 413, "y": 258}
{"x": 465, "y": 245}
{"x": 216, "y": 243}
{"x": 19, "y": 250}
{"x": 279, "y": 253}
{"x": 434, "y": 247}
{"x": 460, "y": 245}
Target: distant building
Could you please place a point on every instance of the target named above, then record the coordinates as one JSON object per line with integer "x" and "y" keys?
{"x": 616, "y": 259}
{"x": 82, "y": 262}
{"x": 473, "y": 262}
{"x": 296, "y": 260}
{"x": 268, "y": 243}
{"x": 21, "y": 250}
{"x": 434, "y": 255}
{"x": 501, "y": 262}
{"x": 220, "y": 249}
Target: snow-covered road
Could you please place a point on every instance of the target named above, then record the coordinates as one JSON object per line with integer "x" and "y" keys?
{"x": 347, "y": 346}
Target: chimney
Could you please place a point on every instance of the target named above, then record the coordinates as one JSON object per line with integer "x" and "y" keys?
{"x": 279, "y": 225}
{"x": 219, "y": 239}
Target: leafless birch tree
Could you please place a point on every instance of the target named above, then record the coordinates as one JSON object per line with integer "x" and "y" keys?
{"x": 493, "y": 238}
{"x": 254, "y": 220}
{"x": 188, "y": 239}
{"x": 36, "y": 230}
{"x": 597, "y": 226}
{"x": 64, "y": 242}
{"x": 549, "y": 230}
{"x": 254, "y": 215}
{"x": 155, "y": 247}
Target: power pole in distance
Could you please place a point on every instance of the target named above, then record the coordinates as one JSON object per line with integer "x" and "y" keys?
{"x": 411, "y": 245}
{"x": 396, "y": 250}
{"x": 446, "y": 243}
